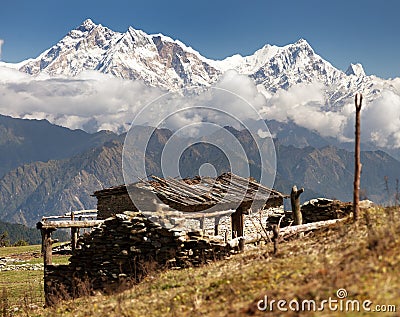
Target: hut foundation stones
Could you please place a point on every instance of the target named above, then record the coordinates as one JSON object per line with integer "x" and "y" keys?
{"x": 122, "y": 251}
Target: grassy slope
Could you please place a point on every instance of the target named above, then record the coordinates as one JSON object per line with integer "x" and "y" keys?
{"x": 364, "y": 259}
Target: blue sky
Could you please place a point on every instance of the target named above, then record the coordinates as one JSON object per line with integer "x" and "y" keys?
{"x": 341, "y": 31}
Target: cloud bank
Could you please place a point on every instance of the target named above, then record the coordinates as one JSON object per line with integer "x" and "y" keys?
{"x": 93, "y": 101}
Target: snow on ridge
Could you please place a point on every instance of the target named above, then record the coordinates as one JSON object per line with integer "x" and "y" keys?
{"x": 355, "y": 69}
{"x": 251, "y": 63}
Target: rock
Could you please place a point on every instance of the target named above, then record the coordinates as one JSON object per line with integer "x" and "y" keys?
{"x": 366, "y": 204}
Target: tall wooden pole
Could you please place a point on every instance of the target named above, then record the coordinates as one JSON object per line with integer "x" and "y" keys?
{"x": 357, "y": 164}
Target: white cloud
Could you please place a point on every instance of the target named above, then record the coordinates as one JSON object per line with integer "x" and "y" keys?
{"x": 90, "y": 100}
{"x": 232, "y": 101}
{"x": 380, "y": 120}
{"x": 303, "y": 104}
{"x": 93, "y": 101}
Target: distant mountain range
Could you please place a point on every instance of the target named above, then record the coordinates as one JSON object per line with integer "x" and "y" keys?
{"x": 57, "y": 185}
{"x": 46, "y": 169}
{"x": 25, "y": 141}
{"x": 163, "y": 62}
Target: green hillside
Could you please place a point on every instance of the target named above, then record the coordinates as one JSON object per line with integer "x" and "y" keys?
{"x": 12, "y": 233}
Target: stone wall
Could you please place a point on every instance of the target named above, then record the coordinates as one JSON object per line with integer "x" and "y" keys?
{"x": 252, "y": 223}
{"x": 122, "y": 251}
{"x": 321, "y": 209}
{"x": 109, "y": 205}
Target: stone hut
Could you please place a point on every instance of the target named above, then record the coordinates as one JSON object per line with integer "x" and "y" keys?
{"x": 151, "y": 232}
{"x": 155, "y": 230}
{"x": 215, "y": 204}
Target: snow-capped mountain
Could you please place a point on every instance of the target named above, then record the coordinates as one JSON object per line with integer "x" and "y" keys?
{"x": 156, "y": 59}
{"x": 163, "y": 62}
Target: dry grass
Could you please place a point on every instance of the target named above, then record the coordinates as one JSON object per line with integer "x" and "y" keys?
{"x": 362, "y": 258}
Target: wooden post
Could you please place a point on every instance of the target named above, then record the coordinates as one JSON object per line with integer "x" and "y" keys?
{"x": 47, "y": 246}
{"x": 216, "y": 225}
{"x": 357, "y": 164}
{"x": 275, "y": 238}
{"x": 238, "y": 226}
{"x": 202, "y": 223}
{"x": 74, "y": 233}
{"x": 295, "y": 201}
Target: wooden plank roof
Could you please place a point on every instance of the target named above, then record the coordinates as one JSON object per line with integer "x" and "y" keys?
{"x": 227, "y": 189}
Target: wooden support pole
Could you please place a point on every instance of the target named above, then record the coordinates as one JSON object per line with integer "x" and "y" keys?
{"x": 74, "y": 234}
{"x": 68, "y": 224}
{"x": 74, "y": 238}
{"x": 202, "y": 223}
{"x": 47, "y": 246}
{"x": 295, "y": 201}
{"x": 238, "y": 227}
{"x": 216, "y": 225}
{"x": 275, "y": 237}
{"x": 357, "y": 164}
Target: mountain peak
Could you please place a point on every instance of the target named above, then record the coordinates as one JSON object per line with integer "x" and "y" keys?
{"x": 355, "y": 69}
{"x": 136, "y": 32}
{"x": 86, "y": 25}
{"x": 302, "y": 42}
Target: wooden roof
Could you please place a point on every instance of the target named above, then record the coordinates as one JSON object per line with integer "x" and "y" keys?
{"x": 201, "y": 192}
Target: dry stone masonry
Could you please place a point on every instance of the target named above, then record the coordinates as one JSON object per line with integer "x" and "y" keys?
{"x": 321, "y": 209}
{"x": 123, "y": 250}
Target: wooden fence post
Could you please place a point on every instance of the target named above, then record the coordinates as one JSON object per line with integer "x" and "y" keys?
{"x": 237, "y": 219}
{"x": 275, "y": 238}
{"x": 357, "y": 164}
{"x": 47, "y": 246}
{"x": 295, "y": 202}
{"x": 74, "y": 233}
{"x": 216, "y": 225}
